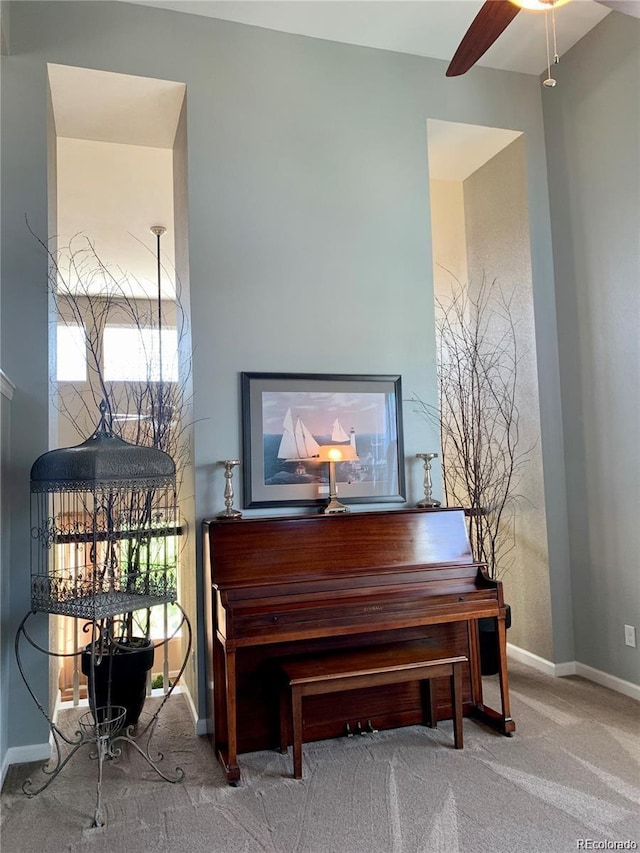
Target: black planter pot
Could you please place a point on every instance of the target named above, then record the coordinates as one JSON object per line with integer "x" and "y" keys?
{"x": 488, "y": 635}
{"x": 120, "y": 678}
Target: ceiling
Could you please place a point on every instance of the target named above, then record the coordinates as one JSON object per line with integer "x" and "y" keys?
{"x": 102, "y": 106}
{"x": 431, "y": 28}
{"x": 457, "y": 150}
{"x": 106, "y": 107}
{"x": 117, "y": 108}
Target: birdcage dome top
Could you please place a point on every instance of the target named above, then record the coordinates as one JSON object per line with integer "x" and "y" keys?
{"x": 103, "y": 459}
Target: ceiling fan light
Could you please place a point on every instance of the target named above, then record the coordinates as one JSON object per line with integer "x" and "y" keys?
{"x": 539, "y": 5}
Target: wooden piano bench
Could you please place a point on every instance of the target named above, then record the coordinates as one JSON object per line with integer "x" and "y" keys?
{"x": 348, "y": 669}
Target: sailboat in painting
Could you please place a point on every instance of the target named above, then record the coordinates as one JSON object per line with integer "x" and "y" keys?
{"x": 338, "y": 435}
{"x": 297, "y": 441}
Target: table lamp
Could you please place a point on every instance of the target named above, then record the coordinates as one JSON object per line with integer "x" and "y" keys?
{"x": 333, "y": 453}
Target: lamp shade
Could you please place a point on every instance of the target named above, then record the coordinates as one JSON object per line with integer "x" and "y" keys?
{"x": 337, "y": 453}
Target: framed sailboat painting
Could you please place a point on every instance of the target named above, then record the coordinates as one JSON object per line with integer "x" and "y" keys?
{"x": 287, "y": 417}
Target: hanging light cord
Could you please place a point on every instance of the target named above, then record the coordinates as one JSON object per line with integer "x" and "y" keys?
{"x": 159, "y": 230}
{"x": 550, "y": 82}
{"x": 158, "y": 235}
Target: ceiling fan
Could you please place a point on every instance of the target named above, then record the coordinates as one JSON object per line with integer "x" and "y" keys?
{"x": 496, "y": 15}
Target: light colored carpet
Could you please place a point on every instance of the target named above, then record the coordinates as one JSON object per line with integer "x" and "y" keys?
{"x": 571, "y": 772}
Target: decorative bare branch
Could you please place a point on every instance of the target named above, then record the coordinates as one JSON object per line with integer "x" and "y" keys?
{"x": 88, "y": 293}
{"x": 478, "y": 417}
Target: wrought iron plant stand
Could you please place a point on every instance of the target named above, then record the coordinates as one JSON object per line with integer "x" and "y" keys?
{"x": 105, "y": 529}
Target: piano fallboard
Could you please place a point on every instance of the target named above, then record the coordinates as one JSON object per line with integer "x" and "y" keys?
{"x": 299, "y": 584}
{"x": 279, "y": 618}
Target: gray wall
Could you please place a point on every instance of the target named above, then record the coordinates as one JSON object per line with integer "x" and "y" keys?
{"x": 23, "y": 357}
{"x": 5, "y": 29}
{"x": 593, "y": 149}
{"x": 6, "y": 648}
{"x": 307, "y": 183}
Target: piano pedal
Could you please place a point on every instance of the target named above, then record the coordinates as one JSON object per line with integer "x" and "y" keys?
{"x": 370, "y": 728}
{"x": 348, "y": 731}
{"x": 360, "y": 730}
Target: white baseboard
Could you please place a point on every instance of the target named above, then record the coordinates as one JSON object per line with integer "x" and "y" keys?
{"x": 201, "y": 725}
{"x": 84, "y": 703}
{"x": 610, "y": 681}
{"x": 535, "y": 661}
{"x": 23, "y": 755}
{"x": 558, "y": 670}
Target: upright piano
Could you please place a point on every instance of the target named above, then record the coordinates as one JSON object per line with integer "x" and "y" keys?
{"x": 281, "y": 586}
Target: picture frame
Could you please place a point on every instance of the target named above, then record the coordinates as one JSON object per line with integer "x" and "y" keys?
{"x": 287, "y": 416}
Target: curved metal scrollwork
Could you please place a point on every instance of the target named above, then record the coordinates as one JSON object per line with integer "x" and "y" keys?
{"x": 102, "y": 727}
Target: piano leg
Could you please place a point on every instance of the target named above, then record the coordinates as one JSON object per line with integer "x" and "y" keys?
{"x": 509, "y": 725}
{"x": 225, "y": 686}
{"x": 500, "y": 720}
{"x": 474, "y": 662}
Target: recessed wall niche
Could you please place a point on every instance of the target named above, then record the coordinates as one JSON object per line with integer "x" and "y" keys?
{"x": 118, "y": 167}
{"x": 480, "y": 229}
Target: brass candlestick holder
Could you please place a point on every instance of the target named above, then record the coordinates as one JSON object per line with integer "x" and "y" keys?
{"x": 428, "y": 500}
{"x": 229, "y": 511}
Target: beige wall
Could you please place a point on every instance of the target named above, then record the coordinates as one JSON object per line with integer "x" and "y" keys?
{"x": 188, "y": 581}
{"x": 480, "y": 227}
{"x": 112, "y": 194}
{"x": 449, "y": 236}
{"x": 498, "y": 246}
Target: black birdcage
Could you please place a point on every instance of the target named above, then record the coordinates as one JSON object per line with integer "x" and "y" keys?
{"x": 104, "y": 527}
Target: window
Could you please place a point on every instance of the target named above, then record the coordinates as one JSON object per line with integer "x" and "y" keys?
{"x": 71, "y": 357}
{"x": 132, "y": 354}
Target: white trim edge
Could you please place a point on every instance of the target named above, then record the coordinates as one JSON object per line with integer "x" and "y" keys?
{"x": 559, "y": 670}
{"x": 202, "y": 727}
{"x": 6, "y": 385}
{"x": 610, "y": 681}
{"x": 42, "y": 752}
{"x": 24, "y": 754}
{"x": 556, "y": 670}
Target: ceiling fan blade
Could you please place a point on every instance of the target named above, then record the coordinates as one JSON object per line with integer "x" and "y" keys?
{"x": 627, "y": 7}
{"x": 492, "y": 19}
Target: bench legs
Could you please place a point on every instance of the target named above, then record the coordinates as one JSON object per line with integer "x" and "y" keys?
{"x": 429, "y": 704}
{"x": 296, "y": 712}
{"x": 291, "y": 713}
{"x": 285, "y": 718}
{"x": 456, "y": 705}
